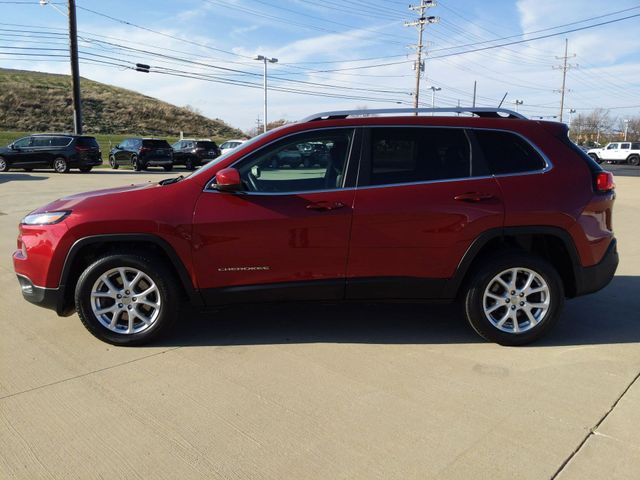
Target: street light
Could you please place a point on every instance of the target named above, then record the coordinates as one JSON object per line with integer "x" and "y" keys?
{"x": 265, "y": 60}
{"x": 517, "y": 102}
{"x": 433, "y": 96}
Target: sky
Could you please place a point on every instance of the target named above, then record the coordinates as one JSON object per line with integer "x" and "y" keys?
{"x": 339, "y": 54}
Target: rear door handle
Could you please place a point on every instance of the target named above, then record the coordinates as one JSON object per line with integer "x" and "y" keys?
{"x": 324, "y": 206}
{"x": 473, "y": 197}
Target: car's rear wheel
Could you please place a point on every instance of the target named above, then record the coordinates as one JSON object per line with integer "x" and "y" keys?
{"x": 4, "y": 166}
{"x": 513, "y": 299}
{"x": 135, "y": 163}
{"x": 634, "y": 160}
{"x": 127, "y": 299}
{"x": 60, "y": 165}
{"x": 113, "y": 163}
{"x": 190, "y": 164}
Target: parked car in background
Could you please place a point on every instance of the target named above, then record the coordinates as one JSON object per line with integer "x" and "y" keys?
{"x": 407, "y": 208}
{"x": 142, "y": 153}
{"x": 58, "y": 151}
{"x": 192, "y": 153}
{"x": 617, "y": 152}
{"x": 230, "y": 145}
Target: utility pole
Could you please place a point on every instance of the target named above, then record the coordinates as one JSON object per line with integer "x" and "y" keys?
{"x": 564, "y": 67}
{"x": 420, "y": 23}
{"x": 265, "y": 60}
{"x": 626, "y": 128}
{"x": 75, "y": 69}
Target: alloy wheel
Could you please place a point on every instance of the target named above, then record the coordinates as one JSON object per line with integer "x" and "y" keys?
{"x": 516, "y": 300}
{"x": 126, "y": 300}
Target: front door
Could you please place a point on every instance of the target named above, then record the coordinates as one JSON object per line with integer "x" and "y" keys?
{"x": 419, "y": 205}
{"x": 286, "y": 236}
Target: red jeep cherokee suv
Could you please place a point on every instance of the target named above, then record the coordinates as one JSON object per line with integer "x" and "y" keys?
{"x": 503, "y": 213}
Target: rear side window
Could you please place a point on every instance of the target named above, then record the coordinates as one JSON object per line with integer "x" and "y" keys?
{"x": 635, "y": 146}
{"x": 506, "y": 152}
{"x": 155, "y": 144}
{"x": 207, "y": 145}
{"x": 89, "y": 142}
{"x": 409, "y": 155}
{"x": 41, "y": 142}
{"x": 60, "y": 141}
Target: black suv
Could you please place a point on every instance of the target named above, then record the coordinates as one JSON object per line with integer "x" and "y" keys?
{"x": 58, "y": 151}
{"x": 142, "y": 153}
{"x": 193, "y": 153}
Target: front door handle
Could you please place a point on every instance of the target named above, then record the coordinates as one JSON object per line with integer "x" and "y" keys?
{"x": 473, "y": 197}
{"x": 324, "y": 206}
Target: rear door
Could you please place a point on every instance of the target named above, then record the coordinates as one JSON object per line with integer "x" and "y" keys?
{"x": 419, "y": 205}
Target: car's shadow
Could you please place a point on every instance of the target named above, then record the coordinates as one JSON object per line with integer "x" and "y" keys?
{"x": 13, "y": 177}
{"x": 609, "y": 316}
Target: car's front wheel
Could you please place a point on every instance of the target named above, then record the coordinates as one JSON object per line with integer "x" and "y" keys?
{"x": 127, "y": 299}
{"x": 595, "y": 158}
{"x": 135, "y": 163}
{"x": 513, "y": 299}
{"x": 113, "y": 163}
{"x": 60, "y": 165}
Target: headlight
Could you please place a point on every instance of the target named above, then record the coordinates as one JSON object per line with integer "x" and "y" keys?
{"x": 47, "y": 218}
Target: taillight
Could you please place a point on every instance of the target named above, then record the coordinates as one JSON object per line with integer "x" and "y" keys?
{"x": 604, "y": 182}
{"x": 80, "y": 148}
{"x": 144, "y": 149}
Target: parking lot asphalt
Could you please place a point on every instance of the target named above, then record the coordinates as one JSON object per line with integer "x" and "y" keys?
{"x": 330, "y": 391}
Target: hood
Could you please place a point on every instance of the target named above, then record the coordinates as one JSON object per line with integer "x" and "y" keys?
{"x": 71, "y": 201}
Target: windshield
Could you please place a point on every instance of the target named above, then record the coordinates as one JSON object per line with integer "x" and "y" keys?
{"x": 243, "y": 147}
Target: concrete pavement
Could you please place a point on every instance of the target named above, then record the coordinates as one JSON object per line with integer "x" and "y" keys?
{"x": 355, "y": 391}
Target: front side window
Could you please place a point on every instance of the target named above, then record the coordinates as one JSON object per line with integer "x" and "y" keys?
{"x": 506, "y": 152}
{"x": 613, "y": 146}
{"x": 304, "y": 162}
{"x": 409, "y": 155}
{"x": 23, "y": 142}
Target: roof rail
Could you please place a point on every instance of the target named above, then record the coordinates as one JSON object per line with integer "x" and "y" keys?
{"x": 480, "y": 112}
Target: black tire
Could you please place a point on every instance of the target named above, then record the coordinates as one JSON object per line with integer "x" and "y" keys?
{"x": 168, "y": 168}
{"x": 156, "y": 270}
{"x": 28, "y": 169}
{"x": 4, "y": 165}
{"x": 634, "y": 160}
{"x": 112, "y": 162}
{"x": 60, "y": 165}
{"x": 481, "y": 278}
{"x": 596, "y": 158}
{"x": 135, "y": 163}
{"x": 190, "y": 164}
{"x": 85, "y": 169}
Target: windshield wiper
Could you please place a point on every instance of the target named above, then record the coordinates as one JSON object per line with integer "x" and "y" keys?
{"x": 168, "y": 181}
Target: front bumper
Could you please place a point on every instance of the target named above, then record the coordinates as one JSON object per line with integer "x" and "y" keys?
{"x": 51, "y": 298}
{"x": 594, "y": 278}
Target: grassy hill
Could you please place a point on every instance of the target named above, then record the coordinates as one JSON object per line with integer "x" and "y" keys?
{"x": 41, "y": 102}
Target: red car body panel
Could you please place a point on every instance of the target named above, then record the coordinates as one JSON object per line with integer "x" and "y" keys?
{"x": 419, "y": 230}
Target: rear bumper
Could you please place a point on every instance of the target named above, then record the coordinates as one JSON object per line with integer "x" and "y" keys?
{"x": 50, "y": 298}
{"x": 157, "y": 162}
{"x": 594, "y": 278}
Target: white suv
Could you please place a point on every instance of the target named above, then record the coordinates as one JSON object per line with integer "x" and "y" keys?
{"x": 626, "y": 152}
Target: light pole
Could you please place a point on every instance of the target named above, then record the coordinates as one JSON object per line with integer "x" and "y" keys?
{"x": 517, "y": 102}
{"x": 265, "y": 60}
{"x": 433, "y": 96}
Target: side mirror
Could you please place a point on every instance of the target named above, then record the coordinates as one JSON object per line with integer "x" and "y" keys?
{"x": 228, "y": 180}
{"x": 12, "y": 146}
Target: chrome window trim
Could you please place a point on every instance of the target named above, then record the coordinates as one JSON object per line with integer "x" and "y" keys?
{"x": 346, "y": 166}
{"x": 53, "y": 136}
